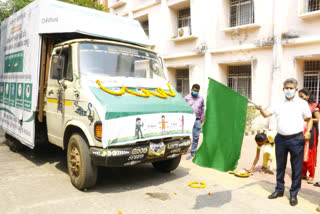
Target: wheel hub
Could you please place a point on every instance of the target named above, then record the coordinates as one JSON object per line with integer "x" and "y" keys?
{"x": 74, "y": 161}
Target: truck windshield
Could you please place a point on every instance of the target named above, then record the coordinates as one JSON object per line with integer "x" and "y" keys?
{"x": 116, "y": 60}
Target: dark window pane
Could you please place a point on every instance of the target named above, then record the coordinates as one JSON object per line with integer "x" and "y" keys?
{"x": 313, "y": 5}
{"x": 182, "y": 77}
{"x": 239, "y": 79}
{"x": 311, "y": 77}
{"x": 184, "y": 18}
{"x": 241, "y": 12}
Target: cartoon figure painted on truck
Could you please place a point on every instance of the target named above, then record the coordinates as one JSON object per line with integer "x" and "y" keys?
{"x": 139, "y": 124}
{"x": 163, "y": 125}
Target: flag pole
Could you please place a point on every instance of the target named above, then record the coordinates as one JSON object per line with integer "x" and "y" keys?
{"x": 250, "y": 101}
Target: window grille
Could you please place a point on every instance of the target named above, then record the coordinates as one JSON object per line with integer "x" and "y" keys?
{"x": 145, "y": 26}
{"x": 182, "y": 77}
{"x": 241, "y": 12}
{"x": 184, "y": 18}
{"x": 311, "y": 77}
{"x": 239, "y": 79}
{"x": 313, "y": 5}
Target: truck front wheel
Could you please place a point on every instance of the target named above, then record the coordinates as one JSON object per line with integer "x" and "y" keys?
{"x": 167, "y": 165}
{"x": 83, "y": 173}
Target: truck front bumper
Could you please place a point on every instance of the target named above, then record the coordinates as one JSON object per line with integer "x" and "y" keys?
{"x": 142, "y": 152}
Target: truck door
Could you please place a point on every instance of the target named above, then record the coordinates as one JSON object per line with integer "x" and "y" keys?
{"x": 58, "y": 99}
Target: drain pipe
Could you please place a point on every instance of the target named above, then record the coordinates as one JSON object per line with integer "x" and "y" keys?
{"x": 276, "y": 85}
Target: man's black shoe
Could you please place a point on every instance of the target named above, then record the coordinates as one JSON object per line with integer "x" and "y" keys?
{"x": 293, "y": 200}
{"x": 275, "y": 195}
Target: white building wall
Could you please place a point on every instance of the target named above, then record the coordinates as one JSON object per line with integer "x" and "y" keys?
{"x": 213, "y": 45}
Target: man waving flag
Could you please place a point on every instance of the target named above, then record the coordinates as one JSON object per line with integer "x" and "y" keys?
{"x": 223, "y": 129}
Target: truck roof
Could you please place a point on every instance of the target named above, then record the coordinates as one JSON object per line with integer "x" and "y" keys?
{"x": 69, "y": 42}
{"x": 56, "y": 17}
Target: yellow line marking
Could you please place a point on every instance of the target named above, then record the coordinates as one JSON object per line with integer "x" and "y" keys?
{"x": 67, "y": 103}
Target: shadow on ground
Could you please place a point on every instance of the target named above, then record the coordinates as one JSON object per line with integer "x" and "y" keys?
{"x": 136, "y": 177}
{"x": 109, "y": 179}
{"x": 224, "y": 197}
{"x": 218, "y": 199}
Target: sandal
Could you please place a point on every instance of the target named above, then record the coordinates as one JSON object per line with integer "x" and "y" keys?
{"x": 317, "y": 184}
{"x": 310, "y": 181}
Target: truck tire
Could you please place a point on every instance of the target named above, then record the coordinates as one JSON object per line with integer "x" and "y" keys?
{"x": 83, "y": 173}
{"x": 14, "y": 144}
{"x": 167, "y": 165}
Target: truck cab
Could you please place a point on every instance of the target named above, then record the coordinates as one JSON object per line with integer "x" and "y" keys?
{"x": 109, "y": 104}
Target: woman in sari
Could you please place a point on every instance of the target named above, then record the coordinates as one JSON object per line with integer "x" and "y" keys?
{"x": 310, "y": 149}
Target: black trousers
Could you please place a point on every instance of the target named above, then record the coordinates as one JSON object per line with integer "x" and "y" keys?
{"x": 295, "y": 147}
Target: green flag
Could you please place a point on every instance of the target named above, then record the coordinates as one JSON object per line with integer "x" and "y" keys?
{"x": 223, "y": 129}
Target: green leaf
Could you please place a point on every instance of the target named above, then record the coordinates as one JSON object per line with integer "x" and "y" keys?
{"x": 9, "y": 7}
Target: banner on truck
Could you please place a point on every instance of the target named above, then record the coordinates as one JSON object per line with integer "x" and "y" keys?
{"x": 19, "y": 57}
{"x": 129, "y": 118}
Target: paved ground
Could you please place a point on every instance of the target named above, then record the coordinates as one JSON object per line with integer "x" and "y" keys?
{"x": 38, "y": 183}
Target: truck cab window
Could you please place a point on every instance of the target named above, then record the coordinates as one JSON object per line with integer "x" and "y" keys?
{"x": 118, "y": 61}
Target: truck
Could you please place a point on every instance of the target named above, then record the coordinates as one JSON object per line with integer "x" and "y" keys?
{"x": 90, "y": 83}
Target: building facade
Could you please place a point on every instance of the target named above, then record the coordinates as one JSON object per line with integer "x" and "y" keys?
{"x": 252, "y": 46}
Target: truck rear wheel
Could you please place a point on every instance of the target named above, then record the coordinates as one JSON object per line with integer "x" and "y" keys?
{"x": 14, "y": 144}
{"x": 167, "y": 165}
{"x": 83, "y": 173}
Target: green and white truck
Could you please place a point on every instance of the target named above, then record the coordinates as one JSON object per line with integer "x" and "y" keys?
{"x": 88, "y": 82}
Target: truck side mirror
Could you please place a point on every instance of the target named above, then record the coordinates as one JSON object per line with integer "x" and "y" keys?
{"x": 57, "y": 67}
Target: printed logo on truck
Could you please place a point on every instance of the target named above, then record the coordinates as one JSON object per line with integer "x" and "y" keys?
{"x": 12, "y": 94}
{"x": 1, "y": 92}
{"x": 27, "y": 96}
{"x": 7, "y": 93}
{"x": 13, "y": 62}
{"x": 19, "y": 96}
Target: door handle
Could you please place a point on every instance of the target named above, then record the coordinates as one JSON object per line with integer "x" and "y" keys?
{"x": 50, "y": 92}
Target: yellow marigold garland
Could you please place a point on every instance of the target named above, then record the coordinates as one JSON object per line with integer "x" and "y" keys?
{"x": 197, "y": 184}
{"x": 145, "y": 93}
{"x": 109, "y": 91}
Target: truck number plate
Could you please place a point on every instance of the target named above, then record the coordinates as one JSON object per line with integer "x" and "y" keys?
{"x": 157, "y": 149}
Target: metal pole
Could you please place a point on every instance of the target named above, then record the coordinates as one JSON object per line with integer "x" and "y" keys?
{"x": 277, "y": 55}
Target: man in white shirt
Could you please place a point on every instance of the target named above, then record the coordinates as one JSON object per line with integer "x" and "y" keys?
{"x": 290, "y": 114}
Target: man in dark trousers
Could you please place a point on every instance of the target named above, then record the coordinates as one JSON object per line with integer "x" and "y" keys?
{"x": 291, "y": 113}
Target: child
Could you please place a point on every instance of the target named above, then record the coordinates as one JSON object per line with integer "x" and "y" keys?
{"x": 268, "y": 153}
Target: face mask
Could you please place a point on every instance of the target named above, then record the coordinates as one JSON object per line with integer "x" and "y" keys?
{"x": 138, "y": 122}
{"x": 289, "y": 93}
{"x": 194, "y": 93}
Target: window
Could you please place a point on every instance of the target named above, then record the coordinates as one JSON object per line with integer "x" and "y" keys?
{"x": 182, "y": 77}
{"x": 313, "y": 5}
{"x": 311, "y": 78}
{"x": 241, "y": 12}
{"x": 184, "y": 18}
{"x": 121, "y": 61}
{"x": 239, "y": 79}
{"x": 145, "y": 26}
